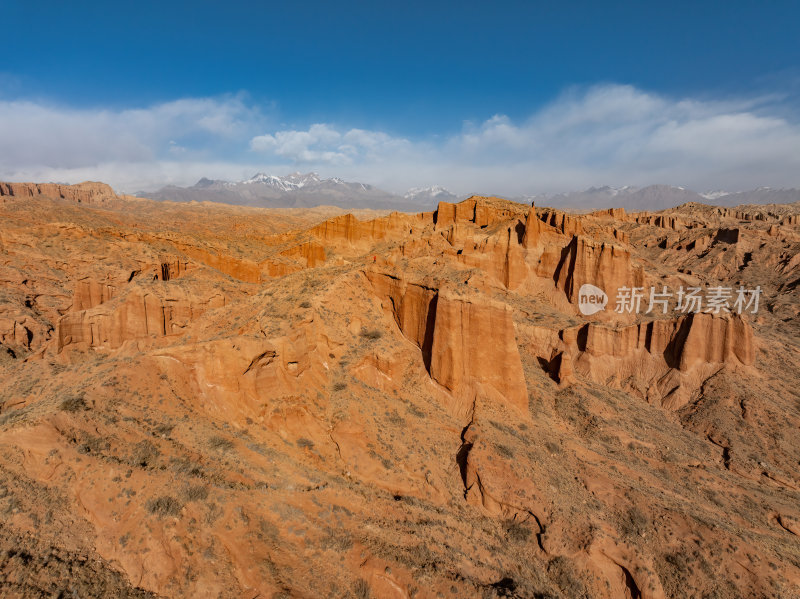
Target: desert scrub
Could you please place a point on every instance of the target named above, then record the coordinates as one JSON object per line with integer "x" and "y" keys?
{"x": 518, "y": 531}
{"x": 72, "y": 404}
{"x": 371, "y": 334}
{"x": 163, "y": 430}
{"x": 165, "y": 505}
{"x": 504, "y": 451}
{"x": 196, "y": 493}
{"x": 633, "y": 522}
{"x": 361, "y": 589}
{"x": 145, "y": 454}
{"x": 220, "y": 443}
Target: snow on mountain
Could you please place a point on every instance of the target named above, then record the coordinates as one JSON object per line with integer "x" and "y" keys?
{"x": 430, "y": 196}
{"x": 309, "y": 189}
{"x": 432, "y": 191}
{"x": 715, "y": 195}
{"x": 607, "y": 190}
{"x": 287, "y": 183}
{"x": 296, "y": 190}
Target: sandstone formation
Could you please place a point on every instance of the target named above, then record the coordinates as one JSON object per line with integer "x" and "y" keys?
{"x": 663, "y": 361}
{"x": 215, "y": 401}
{"x": 664, "y": 221}
{"x": 349, "y": 230}
{"x": 604, "y": 265}
{"x": 87, "y": 193}
{"x": 89, "y": 293}
{"x": 466, "y": 343}
{"x": 139, "y": 315}
{"x": 533, "y": 229}
{"x": 478, "y": 210}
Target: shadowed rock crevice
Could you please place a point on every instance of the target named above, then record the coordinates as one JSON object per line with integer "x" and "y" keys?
{"x": 427, "y": 338}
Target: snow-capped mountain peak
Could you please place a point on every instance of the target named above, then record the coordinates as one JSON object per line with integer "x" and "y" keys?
{"x": 714, "y": 195}
{"x": 430, "y": 196}
{"x": 287, "y": 183}
{"x": 432, "y": 191}
{"x": 611, "y": 191}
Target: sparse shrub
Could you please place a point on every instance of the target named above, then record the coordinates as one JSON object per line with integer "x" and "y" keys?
{"x": 145, "y": 454}
{"x": 416, "y": 411}
{"x": 12, "y": 416}
{"x": 371, "y": 334}
{"x": 552, "y": 447}
{"x": 340, "y": 386}
{"x": 196, "y": 493}
{"x": 305, "y": 304}
{"x": 504, "y": 451}
{"x": 634, "y": 522}
{"x": 164, "y": 506}
{"x": 220, "y": 443}
{"x": 361, "y": 589}
{"x": 214, "y": 513}
{"x": 303, "y": 442}
{"x": 92, "y": 444}
{"x": 76, "y": 403}
{"x": 163, "y": 430}
{"x": 518, "y": 531}
{"x": 395, "y": 418}
{"x": 564, "y": 573}
{"x": 184, "y": 465}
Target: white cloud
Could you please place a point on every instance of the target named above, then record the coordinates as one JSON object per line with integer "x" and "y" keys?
{"x": 323, "y": 144}
{"x": 40, "y": 135}
{"x": 609, "y": 134}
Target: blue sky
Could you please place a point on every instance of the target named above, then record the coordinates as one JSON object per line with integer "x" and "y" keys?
{"x": 516, "y": 97}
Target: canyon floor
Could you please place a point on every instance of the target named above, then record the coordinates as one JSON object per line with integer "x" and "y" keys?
{"x": 201, "y": 400}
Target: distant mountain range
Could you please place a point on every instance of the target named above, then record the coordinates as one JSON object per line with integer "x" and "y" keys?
{"x": 298, "y": 190}
{"x": 661, "y": 197}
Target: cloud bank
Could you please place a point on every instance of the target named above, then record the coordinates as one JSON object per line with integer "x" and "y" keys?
{"x": 607, "y": 134}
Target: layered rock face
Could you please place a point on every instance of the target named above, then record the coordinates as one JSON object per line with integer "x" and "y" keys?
{"x": 87, "y": 193}
{"x": 242, "y": 269}
{"x": 479, "y": 210}
{"x": 565, "y": 223}
{"x": 138, "y": 316}
{"x": 474, "y": 342}
{"x": 604, "y": 265}
{"x": 664, "y": 361}
{"x": 349, "y": 230}
{"x": 499, "y": 255}
{"x": 791, "y": 221}
{"x": 466, "y": 343}
{"x": 672, "y": 222}
{"x": 610, "y": 213}
{"x": 313, "y": 254}
{"x": 533, "y": 229}
{"x": 217, "y": 401}
{"x": 89, "y": 293}
{"x": 171, "y": 268}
